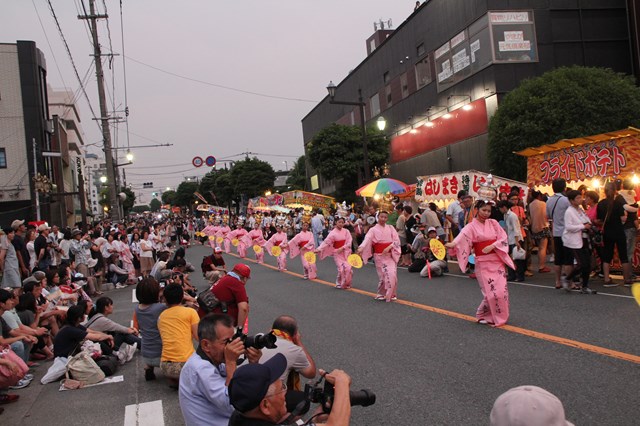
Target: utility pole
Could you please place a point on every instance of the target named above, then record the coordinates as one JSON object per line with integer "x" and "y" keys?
{"x": 104, "y": 116}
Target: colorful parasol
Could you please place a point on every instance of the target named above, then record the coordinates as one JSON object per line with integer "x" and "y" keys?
{"x": 383, "y": 186}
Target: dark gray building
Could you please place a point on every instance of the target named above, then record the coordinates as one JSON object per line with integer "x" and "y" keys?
{"x": 439, "y": 77}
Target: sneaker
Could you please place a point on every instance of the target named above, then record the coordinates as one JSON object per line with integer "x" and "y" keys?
{"x": 127, "y": 351}
{"x": 21, "y": 384}
{"x": 121, "y": 355}
{"x": 120, "y": 286}
{"x": 610, "y": 284}
{"x": 551, "y": 259}
{"x": 566, "y": 285}
{"x": 7, "y": 398}
{"x": 28, "y": 377}
{"x": 587, "y": 290}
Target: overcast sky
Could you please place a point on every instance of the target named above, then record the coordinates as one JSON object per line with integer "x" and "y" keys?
{"x": 286, "y": 48}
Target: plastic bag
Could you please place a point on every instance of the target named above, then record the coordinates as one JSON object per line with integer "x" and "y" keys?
{"x": 518, "y": 253}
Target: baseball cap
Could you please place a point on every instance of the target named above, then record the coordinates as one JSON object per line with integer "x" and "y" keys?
{"x": 217, "y": 250}
{"x": 528, "y": 405}
{"x": 242, "y": 270}
{"x": 251, "y": 382}
{"x": 43, "y": 227}
{"x": 16, "y": 224}
{"x": 39, "y": 275}
{"x": 76, "y": 232}
{"x": 431, "y": 228}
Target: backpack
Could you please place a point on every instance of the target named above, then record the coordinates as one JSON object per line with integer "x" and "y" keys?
{"x": 208, "y": 302}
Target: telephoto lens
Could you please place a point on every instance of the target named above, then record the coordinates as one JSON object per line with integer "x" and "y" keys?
{"x": 363, "y": 397}
{"x": 261, "y": 341}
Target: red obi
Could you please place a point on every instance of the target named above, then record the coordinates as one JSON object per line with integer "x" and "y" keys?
{"x": 303, "y": 243}
{"x": 338, "y": 244}
{"x": 478, "y": 247}
{"x": 255, "y": 237}
{"x": 277, "y": 243}
{"x": 379, "y": 247}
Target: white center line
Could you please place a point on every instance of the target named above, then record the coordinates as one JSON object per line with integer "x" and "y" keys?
{"x": 145, "y": 414}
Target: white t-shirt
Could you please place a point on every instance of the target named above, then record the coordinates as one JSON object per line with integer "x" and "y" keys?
{"x": 145, "y": 244}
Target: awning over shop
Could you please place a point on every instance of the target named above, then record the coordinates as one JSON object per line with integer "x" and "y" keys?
{"x": 607, "y": 155}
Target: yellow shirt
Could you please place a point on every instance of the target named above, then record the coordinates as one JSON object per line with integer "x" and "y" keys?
{"x": 174, "y": 325}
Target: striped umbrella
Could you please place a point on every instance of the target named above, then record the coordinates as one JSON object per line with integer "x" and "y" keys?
{"x": 383, "y": 186}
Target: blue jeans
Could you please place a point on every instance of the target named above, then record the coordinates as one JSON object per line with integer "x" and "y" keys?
{"x": 22, "y": 350}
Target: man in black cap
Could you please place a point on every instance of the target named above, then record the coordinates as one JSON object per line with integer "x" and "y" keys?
{"x": 258, "y": 395}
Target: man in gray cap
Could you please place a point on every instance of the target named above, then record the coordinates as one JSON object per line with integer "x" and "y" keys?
{"x": 528, "y": 406}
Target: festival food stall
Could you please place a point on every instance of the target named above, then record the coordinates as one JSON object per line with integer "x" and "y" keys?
{"x": 307, "y": 200}
{"x": 591, "y": 160}
{"x": 442, "y": 189}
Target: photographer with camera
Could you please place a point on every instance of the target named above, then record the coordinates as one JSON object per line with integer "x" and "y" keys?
{"x": 258, "y": 395}
{"x": 204, "y": 378}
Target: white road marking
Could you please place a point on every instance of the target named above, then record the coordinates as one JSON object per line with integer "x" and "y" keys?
{"x": 134, "y": 299}
{"x": 145, "y": 414}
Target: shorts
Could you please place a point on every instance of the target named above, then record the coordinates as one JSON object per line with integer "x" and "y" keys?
{"x": 542, "y": 235}
{"x": 610, "y": 241}
{"x": 562, "y": 255}
{"x": 171, "y": 369}
{"x": 152, "y": 362}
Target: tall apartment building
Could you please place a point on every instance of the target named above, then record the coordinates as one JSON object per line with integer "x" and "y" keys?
{"x": 440, "y": 76}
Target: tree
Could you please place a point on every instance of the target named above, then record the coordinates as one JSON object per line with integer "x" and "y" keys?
{"x": 216, "y": 187}
{"x": 251, "y": 177}
{"x": 563, "y": 103}
{"x": 336, "y": 153}
{"x": 298, "y": 175}
{"x": 184, "y": 194}
{"x": 155, "y": 205}
{"x": 168, "y": 197}
{"x": 127, "y": 203}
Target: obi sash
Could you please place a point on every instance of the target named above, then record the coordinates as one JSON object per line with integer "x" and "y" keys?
{"x": 339, "y": 244}
{"x": 478, "y": 247}
{"x": 277, "y": 243}
{"x": 303, "y": 243}
{"x": 379, "y": 247}
{"x": 255, "y": 237}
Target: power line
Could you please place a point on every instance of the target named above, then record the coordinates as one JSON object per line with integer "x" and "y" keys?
{"x": 124, "y": 70}
{"x": 220, "y": 86}
{"x": 73, "y": 64}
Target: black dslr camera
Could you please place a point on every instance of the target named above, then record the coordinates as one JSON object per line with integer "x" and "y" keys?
{"x": 259, "y": 341}
{"x": 323, "y": 395}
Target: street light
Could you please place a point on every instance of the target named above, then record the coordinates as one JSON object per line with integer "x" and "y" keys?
{"x": 331, "y": 88}
{"x": 129, "y": 156}
{"x": 382, "y": 123}
{"x": 103, "y": 179}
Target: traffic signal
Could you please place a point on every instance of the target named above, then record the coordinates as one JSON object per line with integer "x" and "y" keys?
{"x": 147, "y": 185}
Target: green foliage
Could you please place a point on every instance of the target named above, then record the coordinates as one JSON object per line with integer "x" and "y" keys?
{"x": 127, "y": 204}
{"x": 251, "y": 177}
{"x": 216, "y": 187}
{"x": 141, "y": 208}
{"x": 298, "y": 175}
{"x": 336, "y": 153}
{"x": 563, "y": 103}
{"x": 155, "y": 205}
{"x": 184, "y": 193}
{"x": 169, "y": 197}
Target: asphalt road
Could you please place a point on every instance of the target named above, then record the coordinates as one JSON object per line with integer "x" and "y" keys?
{"x": 425, "y": 358}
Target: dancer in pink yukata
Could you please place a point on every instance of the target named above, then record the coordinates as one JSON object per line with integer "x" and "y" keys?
{"x": 211, "y": 230}
{"x": 223, "y": 231}
{"x": 302, "y": 244}
{"x": 239, "y": 233}
{"x": 486, "y": 239}
{"x": 382, "y": 242}
{"x": 338, "y": 245}
{"x": 253, "y": 238}
{"x": 279, "y": 239}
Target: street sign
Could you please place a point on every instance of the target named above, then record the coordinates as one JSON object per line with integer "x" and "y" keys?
{"x": 210, "y": 161}
{"x": 197, "y": 161}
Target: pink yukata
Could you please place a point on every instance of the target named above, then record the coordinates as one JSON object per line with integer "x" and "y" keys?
{"x": 255, "y": 237}
{"x": 338, "y": 245}
{"x": 490, "y": 268}
{"x": 127, "y": 260}
{"x": 223, "y": 231}
{"x": 377, "y": 239}
{"x": 239, "y": 234}
{"x": 211, "y": 230}
{"x": 302, "y": 244}
{"x": 279, "y": 239}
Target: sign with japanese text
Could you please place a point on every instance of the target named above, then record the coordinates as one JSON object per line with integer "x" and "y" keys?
{"x": 446, "y": 186}
{"x": 296, "y": 199}
{"x": 612, "y": 158}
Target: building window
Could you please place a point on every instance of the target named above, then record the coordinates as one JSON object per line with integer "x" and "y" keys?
{"x": 386, "y": 77}
{"x": 420, "y": 50}
{"x": 404, "y": 85}
{"x": 424, "y": 74}
{"x": 3, "y": 158}
{"x": 375, "y": 105}
{"x": 514, "y": 36}
{"x": 389, "y": 97}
